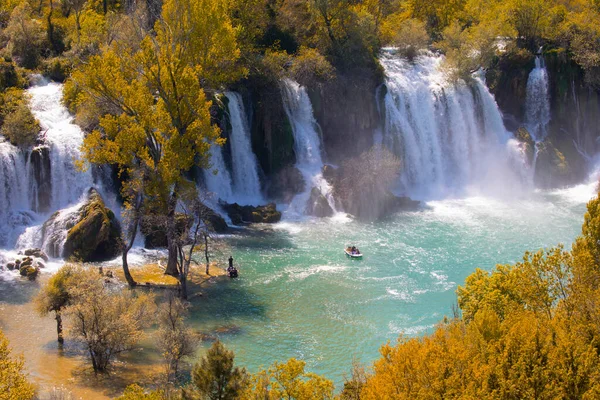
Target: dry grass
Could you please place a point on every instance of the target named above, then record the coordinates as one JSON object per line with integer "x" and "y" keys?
{"x": 153, "y": 274}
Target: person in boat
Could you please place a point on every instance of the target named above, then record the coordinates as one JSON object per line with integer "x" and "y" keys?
{"x": 231, "y": 270}
{"x": 354, "y": 250}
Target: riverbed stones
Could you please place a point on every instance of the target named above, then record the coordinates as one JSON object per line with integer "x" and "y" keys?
{"x": 37, "y": 253}
{"x": 29, "y": 271}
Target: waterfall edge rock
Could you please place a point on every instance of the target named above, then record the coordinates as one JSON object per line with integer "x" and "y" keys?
{"x": 240, "y": 215}
{"x": 97, "y": 234}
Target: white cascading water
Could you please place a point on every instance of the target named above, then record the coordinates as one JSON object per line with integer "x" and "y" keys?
{"x": 217, "y": 178}
{"x": 307, "y": 144}
{"x": 242, "y": 184}
{"x": 244, "y": 164}
{"x": 537, "y": 106}
{"x": 450, "y": 137}
{"x": 19, "y": 187}
{"x": 65, "y": 139}
{"x": 15, "y": 187}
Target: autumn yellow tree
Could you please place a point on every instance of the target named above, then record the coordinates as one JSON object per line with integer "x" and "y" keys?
{"x": 13, "y": 381}
{"x": 158, "y": 122}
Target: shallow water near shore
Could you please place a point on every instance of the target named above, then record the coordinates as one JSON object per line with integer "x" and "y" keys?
{"x": 299, "y": 296}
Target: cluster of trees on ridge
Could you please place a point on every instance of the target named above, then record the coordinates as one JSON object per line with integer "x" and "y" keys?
{"x": 528, "y": 330}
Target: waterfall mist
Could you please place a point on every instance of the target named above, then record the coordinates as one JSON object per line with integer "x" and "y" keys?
{"x": 449, "y": 136}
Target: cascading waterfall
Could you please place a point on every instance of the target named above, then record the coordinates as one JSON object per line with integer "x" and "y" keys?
{"x": 217, "y": 178}
{"x": 246, "y": 182}
{"x": 64, "y": 140}
{"x": 38, "y": 181}
{"x": 450, "y": 137}
{"x": 537, "y": 106}
{"x": 307, "y": 144}
{"x": 242, "y": 184}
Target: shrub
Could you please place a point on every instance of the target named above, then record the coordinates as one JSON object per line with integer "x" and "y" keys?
{"x": 18, "y": 124}
{"x": 309, "y": 66}
{"x": 9, "y": 77}
{"x": 13, "y": 382}
{"x": 26, "y": 36}
{"x": 57, "y": 69}
{"x": 411, "y": 37}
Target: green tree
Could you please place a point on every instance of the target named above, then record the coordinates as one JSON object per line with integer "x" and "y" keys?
{"x": 54, "y": 295}
{"x": 215, "y": 377}
{"x": 25, "y": 36}
{"x": 18, "y": 124}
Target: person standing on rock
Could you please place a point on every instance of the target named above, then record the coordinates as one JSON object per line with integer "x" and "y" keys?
{"x": 230, "y": 263}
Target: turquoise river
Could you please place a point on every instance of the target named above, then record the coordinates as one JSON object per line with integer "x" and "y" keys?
{"x": 299, "y": 296}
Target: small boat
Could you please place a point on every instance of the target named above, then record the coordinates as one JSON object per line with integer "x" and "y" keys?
{"x": 232, "y": 272}
{"x": 353, "y": 254}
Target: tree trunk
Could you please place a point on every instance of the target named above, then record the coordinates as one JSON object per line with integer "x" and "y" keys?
{"x": 172, "y": 236}
{"x": 183, "y": 286}
{"x": 59, "y": 328}
{"x": 130, "y": 281}
{"x": 206, "y": 253}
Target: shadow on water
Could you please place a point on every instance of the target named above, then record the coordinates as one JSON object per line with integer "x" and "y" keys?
{"x": 262, "y": 238}
{"x": 226, "y": 300}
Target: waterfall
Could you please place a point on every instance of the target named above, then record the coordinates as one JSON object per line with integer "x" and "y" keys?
{"x": 64, "y": 140}
{"x": 246, "y": 182}
{"x": 35, "y": 182}
{"x": 219, "y": 183}
{"x": 537, "y": 106}
{"x": 307, "y": 144}
{"x": 450, "y": 136}
{"x": 242, "y": 184}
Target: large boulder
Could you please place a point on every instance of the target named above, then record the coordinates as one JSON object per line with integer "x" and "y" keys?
{"x": 252, "y": 214}
{"x": 29, "y": 271}
{"x": 317, "y": 205}
{"x": 214, "y": 220}
{"x": 97, "y": 234}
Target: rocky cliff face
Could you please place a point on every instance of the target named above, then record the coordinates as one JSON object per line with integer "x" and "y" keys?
{"x": 574, "y": 127}
{"x": 346, "y": 110}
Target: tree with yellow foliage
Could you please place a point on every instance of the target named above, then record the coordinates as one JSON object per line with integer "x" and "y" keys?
{"x": 13, "y": 381}
{"x": 157, "y": 125}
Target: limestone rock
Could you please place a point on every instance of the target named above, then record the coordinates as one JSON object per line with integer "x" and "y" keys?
{"x": 97, "y": 234}
{"x": 37, "y": 253}
{"x": 317, "y": 205}
{"x": 252, "y": 214}
{"x": 285, "y": 184}
{"x": 29, "y": 271}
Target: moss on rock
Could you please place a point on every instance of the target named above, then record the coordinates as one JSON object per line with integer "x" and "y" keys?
{"x": 97, "y": 235}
